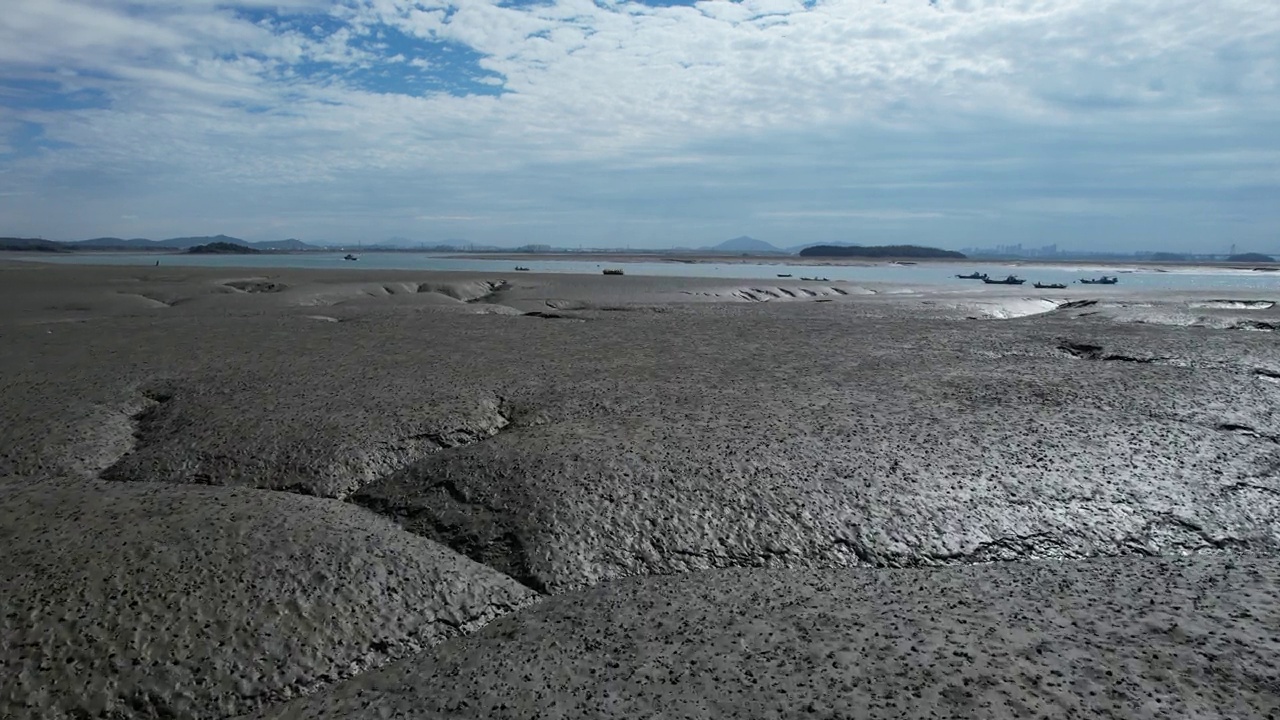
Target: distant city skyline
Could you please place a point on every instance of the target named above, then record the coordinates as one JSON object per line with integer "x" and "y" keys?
{"x": 1095, "y": 125}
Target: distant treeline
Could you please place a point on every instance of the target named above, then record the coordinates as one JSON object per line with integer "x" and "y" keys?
{"x": 880, "y": 251}
{"x": 1251, "y": 258}
{"x": 30, "y": 245}
{"x": 222, "y": 248}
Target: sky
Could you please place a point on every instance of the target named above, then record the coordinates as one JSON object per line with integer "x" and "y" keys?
{"x": 1092, "y": 124}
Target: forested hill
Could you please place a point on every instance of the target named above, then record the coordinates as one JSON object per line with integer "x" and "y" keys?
{"x": 881, "y": 251}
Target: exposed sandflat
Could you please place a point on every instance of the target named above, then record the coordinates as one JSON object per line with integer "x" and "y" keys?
{"x": 628, "y": 427}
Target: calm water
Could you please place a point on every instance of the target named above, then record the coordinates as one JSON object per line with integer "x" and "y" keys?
{"x": 933, "y": 274}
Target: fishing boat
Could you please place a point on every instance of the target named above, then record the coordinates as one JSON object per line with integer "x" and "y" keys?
{"x": 613, "y": 271}
{"x": 1011, "y": 280}
{"x": 349, "y": 256}
{"x": 1050, "y": 286}
{"x": 784, "y": 275}
{"x": 973, "y": 276}
{"x": 815, "y": 279}
{"x": 521, "y": 268}
{"x": 1104, "y": 280}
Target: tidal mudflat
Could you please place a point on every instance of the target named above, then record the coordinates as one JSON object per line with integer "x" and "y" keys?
{"x": 381, "y": 494}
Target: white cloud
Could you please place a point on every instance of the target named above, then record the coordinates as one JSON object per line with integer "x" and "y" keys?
{"x": 931, "y": 105}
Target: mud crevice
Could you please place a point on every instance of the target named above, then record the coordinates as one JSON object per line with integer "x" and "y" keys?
{"x": 552, "y": 316}
{"x": 464, "y": 436}
{"x": 1245, "y": 485}
{"x": 1247, "y": 431}
{"x": 149, "y": 298}
{"x": 496, "y": 287}
{"x": 256, "y": 286}
{"x": 1034, "y": 546}
{"x": 1254, "y": 326}
{"x": 148, "y": 406}
{"x": 448, "y": 514}
{"x": 1085, "y": 351}
{"x": 1075, "y": 304}
{"x": 1199, "y": 531}
{"x": 1234, "y": 304}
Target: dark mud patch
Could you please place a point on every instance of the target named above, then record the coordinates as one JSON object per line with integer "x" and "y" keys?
{"x": 256, "y": 286}
{"x": 1234, "y": 304}
{"x": 553, "y": 316}
{"x": 1086, "y": 351}
{"x": 1077, "y": 304}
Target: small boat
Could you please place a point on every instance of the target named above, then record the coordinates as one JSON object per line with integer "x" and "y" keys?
{"x": 349, "y": 256}
{"x": 815, "y": 279}
{"x": 521, "y": 268}
{"x": 973, "y": 276}
{"x": 784, "y": 274}
{"x": 1011, "y": 280}
{"x": 613, "y": 271}
{"x": 1104, "y": 280}
{"x": 1050, "y": 286}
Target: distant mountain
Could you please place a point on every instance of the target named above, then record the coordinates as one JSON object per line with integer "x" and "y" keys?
{"x": 30, "y": 245}
{"x": 290, "y": 244}
{"x": 183, "y": 243}
{"x": 222, "y": 248}
{"x": 745, "y": 244}
{"x": 881, "y": 251}
{"x": 399, "y": 242}
{"x": 178, "y": 243}
{"x": 112, "y": 243}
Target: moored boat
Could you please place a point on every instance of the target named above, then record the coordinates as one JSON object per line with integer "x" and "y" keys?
{"x": 1050, "y": 286}
{"x": 1104, "y": 280}
{"x": 973, "y": 276}
{"x": 1011, "y": 280}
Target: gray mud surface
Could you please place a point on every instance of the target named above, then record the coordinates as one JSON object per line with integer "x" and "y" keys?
{"x": 162, "y": 601}
{"x": 1134, "y": 638}
{"x": 528, "y": 434}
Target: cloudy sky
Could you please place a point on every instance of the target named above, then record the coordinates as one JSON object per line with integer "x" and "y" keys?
{"x": 1119, "y": 124}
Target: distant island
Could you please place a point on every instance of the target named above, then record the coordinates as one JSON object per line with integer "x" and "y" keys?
{"x": 222, "y": 248}
{"x": 881, "y": 251}
{"x": 1250, "y": 258}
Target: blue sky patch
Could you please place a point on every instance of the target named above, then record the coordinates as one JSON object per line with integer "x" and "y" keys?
{"x": 34, "y": 94}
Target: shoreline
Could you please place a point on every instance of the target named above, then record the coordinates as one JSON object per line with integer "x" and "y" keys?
{"x": 762, "y": 261}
